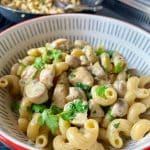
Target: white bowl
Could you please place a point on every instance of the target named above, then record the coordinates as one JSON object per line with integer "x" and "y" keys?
{"x": 131, "y": 41}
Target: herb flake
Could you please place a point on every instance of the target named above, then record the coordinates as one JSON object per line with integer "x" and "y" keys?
{"x": 116, "y": 125}
{"x": 100, "y": 90}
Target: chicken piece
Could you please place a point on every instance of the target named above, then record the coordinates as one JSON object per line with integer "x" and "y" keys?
{"x": 36, "y": 92}
{"x": 80, "y": 118}
{"x": 47, "y": 76}
{"x": 63, "y": 44}
{"x": 84, "y": 60}
{"x": 81, "y": 75}
{"x": 72, "y": 61}
{"x": 95, "y": 110}
{"x": 63, "y": 79}
{"x": 121, "y": 87}
{"x": 90, "y": 54}
{"x": 76, "y": 93}
{"x": 97, "y": 70}
{"x": 28, "y": 73}
{"x": 59, "y": 95}
{"x": 120, "y": 108}
{"x": 80, "y": 43}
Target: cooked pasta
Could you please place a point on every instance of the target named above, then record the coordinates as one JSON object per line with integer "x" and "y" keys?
{"x": 37, "y": 6}
{"x": 77, "y": 97}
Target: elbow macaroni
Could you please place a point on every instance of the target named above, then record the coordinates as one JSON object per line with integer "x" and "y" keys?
{"x": 59, "y": 143}
{"x": 134, "y": 111}
{"x": 140, "y": 128}
{"x": 63, "y": 126}
{"x": 83, "y": 141}
{"x": 33, "y": 127}
{"x": 12, "y": 82}
{"x": 133, "y": 91}
{"x": 110, "y": 93}
{"x": 116, "y": 126}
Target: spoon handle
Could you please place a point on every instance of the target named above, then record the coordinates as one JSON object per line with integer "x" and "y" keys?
{"x": 78, "y": 8}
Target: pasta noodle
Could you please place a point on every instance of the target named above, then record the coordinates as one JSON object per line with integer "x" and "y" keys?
{"x": 139, "y": 129}
{"x": 134, "y": 111}
{"x": 116, "y": 126}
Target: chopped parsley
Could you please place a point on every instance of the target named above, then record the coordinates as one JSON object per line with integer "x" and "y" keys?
{"x": 39, "y": 63}
{"x": 75, "y": 107}
{"x": 50, "y": 117}
{"x": 118, "y": 68}
{"x": 15, "y": 106}
{"x": 116, "y": 125}
{"x": 85, "y": 88}
{"x": 54, "y": 54}
{"x": 110, "y": 116}
{"x": 38, "y": 108}
{"x": 100, "y": 90}
{"x": 100, "y": 50}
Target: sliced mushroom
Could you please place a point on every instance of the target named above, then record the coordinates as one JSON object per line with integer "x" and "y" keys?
{"x": 132, "y": 72}
{"x": 120, "y": 87}
{"x": 95, "y": 110}
{"x": 82, "y": 75}
{"x": 97, "y": 70}
{"x": 59, "y": 95}
{"x": 90, "y": 53}
{"x": 72, "y": 61}
{"x": 47, "y": 76}
{"x": 36, "y": 92}
{"x": 63, "y": 44}
{"x": 75, "y": 93}
{"x": 120, "y": 108}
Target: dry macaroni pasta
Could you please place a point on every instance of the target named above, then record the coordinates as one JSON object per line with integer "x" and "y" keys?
{"x": 72, "y": 96}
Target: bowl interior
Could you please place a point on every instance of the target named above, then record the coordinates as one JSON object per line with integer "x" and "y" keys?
{"x": 132, "y": 42}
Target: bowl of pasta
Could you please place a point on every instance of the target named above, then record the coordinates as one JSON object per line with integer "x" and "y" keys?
{"x": 75, "y": 82}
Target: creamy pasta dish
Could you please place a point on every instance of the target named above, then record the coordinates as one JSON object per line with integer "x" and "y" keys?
{"x": 72, "y": 96}
{"x": 37, "y": 6}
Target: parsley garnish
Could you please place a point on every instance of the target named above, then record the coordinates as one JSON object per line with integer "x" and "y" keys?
{"x": 100, "y": 90}
{"x": 15, "y": 106}
{"x": 85, "y": 88}
{"x": 119, "y": 67}
{"x": 99, "y": 51}
{"x": 50, "y": 117}
{"x": 75, "y": 107}
{"x": 39, "y": 63}
{"x": 116, "y": 125}
{"x": 55, "y": 110}
{"x": 54, "y": 54}
{"x": 38, "y": 108}
{"x": 109, "y": 114}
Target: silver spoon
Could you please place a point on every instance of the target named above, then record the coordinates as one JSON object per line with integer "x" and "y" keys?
{"x": 76, "y": 8}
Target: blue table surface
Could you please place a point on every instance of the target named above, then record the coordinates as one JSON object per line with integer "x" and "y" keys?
{"x": 4, "y": 147}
